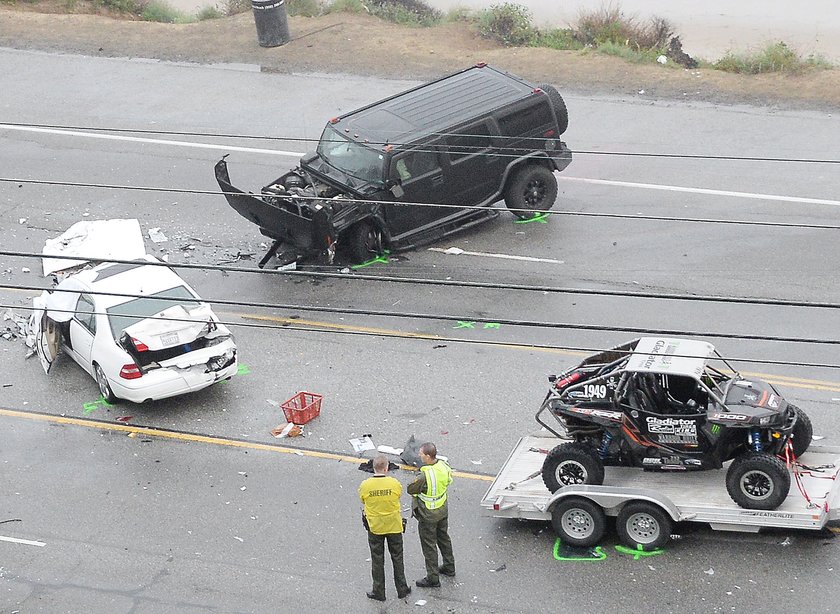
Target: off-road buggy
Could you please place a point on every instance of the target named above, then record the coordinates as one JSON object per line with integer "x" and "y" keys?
{"x": 658, "y": 404}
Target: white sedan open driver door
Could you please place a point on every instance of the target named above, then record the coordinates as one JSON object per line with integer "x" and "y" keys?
{"x": 47, "y": 338}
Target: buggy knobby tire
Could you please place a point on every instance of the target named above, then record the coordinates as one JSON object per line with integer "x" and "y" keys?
{"x": 572, "y": 463}
{"x": 559, "y": 106}
{"x": 104, "y": 386}
{"x": 532, "y": 189}
{"x": 578, "y": 521}
{"x": 363, "y": 242}
{"x": 803, "y": 432}
{"x": 643, "y": 524}
{"x": 758, "y": 481}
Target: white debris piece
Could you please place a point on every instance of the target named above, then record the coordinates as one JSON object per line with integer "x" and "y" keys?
{"x": 22, "y": 220}
{"x": 157, "y": 236}
{"x": 420, "y": 602}
{"x": 662, "y": 59}
{"x": 389, "y": 450}
{"x": 94, "y": 240}
{"x": 454, "y": 251}
{"x": 710, "y": 571}
{"x": 361, "y": 444}
{"x": 25, "y": 269}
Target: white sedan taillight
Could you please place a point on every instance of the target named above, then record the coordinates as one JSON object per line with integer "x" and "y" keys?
{"x": 130, "y": 371}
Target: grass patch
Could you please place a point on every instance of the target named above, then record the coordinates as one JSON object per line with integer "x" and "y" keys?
{"x": 625, "y": 52}
{"x": 412, "y": 13}
{"x": 234, "y": 7}
{"x": 158, "y": 10}
{"x": 303, "y": 8}
{"x": 508, "y": 23}
{"x": 775, "y": 57}
{"x": 209, "y": 12}
{"x": 122, "y": 6}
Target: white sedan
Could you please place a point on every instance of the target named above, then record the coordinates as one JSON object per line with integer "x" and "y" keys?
{"x": 162, "y": 342}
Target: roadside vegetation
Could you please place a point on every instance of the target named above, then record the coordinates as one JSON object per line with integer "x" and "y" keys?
{"x": 606, "y": 30}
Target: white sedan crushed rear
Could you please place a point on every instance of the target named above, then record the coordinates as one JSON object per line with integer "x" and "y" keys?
{"x": 137, "y": 328}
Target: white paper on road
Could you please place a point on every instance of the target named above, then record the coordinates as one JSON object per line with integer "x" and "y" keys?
{"x": 362, "y": 444}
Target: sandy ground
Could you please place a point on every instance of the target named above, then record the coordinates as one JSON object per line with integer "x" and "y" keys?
{"x": 360, "y": 44}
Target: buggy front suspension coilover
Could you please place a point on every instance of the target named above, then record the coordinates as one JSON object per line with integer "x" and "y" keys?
{"x": 754, "y": 439}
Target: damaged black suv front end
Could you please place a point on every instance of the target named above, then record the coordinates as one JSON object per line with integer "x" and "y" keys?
{"x": 306, "y": 209}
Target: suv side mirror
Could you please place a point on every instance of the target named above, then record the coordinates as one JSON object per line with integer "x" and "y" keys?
{"x": 397, "y": 190}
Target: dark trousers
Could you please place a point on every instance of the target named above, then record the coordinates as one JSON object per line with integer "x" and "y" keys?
{"x": 377, "y": 561}
{"x": 434, "y": 535}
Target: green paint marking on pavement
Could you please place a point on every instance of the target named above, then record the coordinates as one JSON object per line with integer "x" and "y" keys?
{"x": 464, "y": 324}
{"x": 564, "y": 552}
{"x": 488, "y": 325}
{"x": 540, "y": 218}
{"x": 383, "y": 257}
{"x": 90, "y": 407}
{"x": 243, "y": 369}
{"x": 639, "y": 552}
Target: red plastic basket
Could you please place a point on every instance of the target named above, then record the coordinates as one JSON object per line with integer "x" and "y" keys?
{"x": 302, "y": 407}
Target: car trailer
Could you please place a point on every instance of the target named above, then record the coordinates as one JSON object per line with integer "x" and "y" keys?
{"x": 647, "y": 503}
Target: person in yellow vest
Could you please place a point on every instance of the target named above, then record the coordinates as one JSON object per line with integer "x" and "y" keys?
{"x": 380, "y": 495}
{"x": 432, "y": 513}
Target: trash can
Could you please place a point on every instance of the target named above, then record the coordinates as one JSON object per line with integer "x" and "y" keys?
{"x": 272, "y": 22}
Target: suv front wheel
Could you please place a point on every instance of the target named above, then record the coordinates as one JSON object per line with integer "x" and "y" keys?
{"x": 532, "y": 189}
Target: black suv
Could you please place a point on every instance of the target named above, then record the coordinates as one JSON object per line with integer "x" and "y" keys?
{"x": 464, "y": 142}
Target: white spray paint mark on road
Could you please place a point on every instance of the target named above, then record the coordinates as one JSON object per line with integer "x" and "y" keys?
{"x": 674, "y": 188}
{"x": 25, "y": 542}
{"x": 137, "y": 139}
{"x": 298, "y": 154}
{"x": 457, "y": 251}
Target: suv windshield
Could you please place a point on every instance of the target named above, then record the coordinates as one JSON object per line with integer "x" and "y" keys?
{"x": 125, "y": 314}
{"x": 350, "y": 157}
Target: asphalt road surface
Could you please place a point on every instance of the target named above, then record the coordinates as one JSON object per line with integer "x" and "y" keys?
{"x": 204, "y": 511}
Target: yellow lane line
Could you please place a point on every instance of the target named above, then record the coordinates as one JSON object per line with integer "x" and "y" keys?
{"x": 782, "y": 380}
{"x": 217, "y": 441}
{"x": 388, "y": 332}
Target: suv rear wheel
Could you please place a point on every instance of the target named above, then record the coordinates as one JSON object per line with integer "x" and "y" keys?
{"x": 532, "y": 189}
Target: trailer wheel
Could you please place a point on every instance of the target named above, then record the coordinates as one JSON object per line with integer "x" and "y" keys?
{"x": 643, "y": 524}
{"x": 533, "y": 188}
{"x": 363, "y": 242}
{"x": 758, "y": 481}
{"x": 578, "y": 521}
{"x": 559, "y": 106}
{"x": 572, "y": 463}
{"x": 803, "y": 432}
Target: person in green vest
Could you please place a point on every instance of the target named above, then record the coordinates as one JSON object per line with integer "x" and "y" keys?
{"x": 380, "y": 495}
{"x": 432, "y": 513}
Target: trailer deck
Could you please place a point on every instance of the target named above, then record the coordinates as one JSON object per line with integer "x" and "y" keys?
{"x": 698, "y": 496}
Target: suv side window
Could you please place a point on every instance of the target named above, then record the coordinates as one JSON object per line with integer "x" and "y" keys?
{"x": 472, "y": 140}
{"x": 414, "y": 164}
{"x": 85, "y": 313}
{"x": 527, "y": 120}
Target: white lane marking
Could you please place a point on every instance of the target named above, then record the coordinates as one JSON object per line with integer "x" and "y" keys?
{"x": 26, "y": 542}
{"x": 674, "y": 188}
{"x": 137, "y": 139}
{"x": 298, "y": 154}
{"x": 456, "y": 251}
